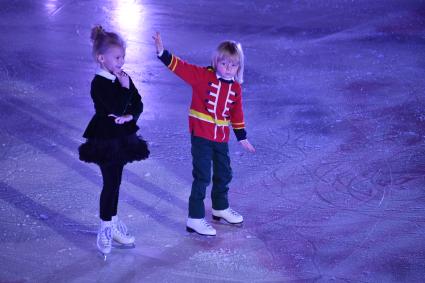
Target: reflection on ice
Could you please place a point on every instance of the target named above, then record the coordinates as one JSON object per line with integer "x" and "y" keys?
{"x": 51, "y": 7}
{"x": 128, "y": 14}
{"x": 334, "y": 103}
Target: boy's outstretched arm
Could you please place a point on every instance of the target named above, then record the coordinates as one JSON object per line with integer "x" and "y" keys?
{"x": 188, "y": 72}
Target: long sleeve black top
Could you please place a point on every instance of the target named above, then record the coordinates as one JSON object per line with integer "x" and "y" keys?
{"x": 109, "y": 97}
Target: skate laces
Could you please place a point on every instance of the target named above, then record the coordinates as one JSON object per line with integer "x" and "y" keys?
{"x": 233, "y": 212}
{"x": 205, "y": 223}
{"x": 118, "y": 232}
{"x": 119, "y": 226}
{"x": 106, "y": 236}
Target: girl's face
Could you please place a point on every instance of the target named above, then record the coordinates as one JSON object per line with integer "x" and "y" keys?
{"x": 112, "y": 60}
{"x": 227, "y": 67}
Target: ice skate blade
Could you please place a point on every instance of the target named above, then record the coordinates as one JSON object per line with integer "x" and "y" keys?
{"x": 190, "y": 230}
{"x": 123, "y": 246}
{"x": 218, "y": 218}
{"x": 103, "y": 255}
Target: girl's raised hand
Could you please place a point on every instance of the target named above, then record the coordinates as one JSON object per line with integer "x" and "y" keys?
{"x": 247, "y": 145}
{"x": 158, "y": 43}
{"x": 123, "y": 78}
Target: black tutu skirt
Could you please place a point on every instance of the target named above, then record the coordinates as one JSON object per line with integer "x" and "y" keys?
{"x": 119, "y": 150}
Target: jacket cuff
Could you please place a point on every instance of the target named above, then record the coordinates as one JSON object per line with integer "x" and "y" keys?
{"x": 240, "y": 134}
{"x": 165, "y": 57}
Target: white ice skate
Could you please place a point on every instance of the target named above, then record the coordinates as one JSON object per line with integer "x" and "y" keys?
{"x": 200, "y": 226}
{"x": 229, "y": 215}
{"x": 104, "y": 239}
{"x": 120, "y": 233}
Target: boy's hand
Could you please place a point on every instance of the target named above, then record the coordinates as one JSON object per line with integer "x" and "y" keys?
{"x": 158, "y": 43}
{"x": 123, "y": 78}
{"x": 247, "y": 145}
{"x": 121, "y": 119}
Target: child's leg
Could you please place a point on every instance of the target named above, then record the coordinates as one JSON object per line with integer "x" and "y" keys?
{"x": 119, "y": 169}
{"x": 221, "y": 179}
{"x": 201, "y": 160}
{"x": 222, "y": 175}
{"x": 109, "y": 194}
{"x": 111, "y": 179}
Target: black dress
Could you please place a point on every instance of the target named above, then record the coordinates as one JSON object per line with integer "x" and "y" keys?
{"x": 107, "y": 141}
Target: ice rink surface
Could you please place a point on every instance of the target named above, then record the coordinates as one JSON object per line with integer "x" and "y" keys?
{"x": 334, "y": 104}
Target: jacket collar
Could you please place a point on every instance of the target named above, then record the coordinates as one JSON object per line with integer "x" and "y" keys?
{"x": 220, "y": 78}
{"x": 105, "y": 74}
{"x": 232, "y": 80}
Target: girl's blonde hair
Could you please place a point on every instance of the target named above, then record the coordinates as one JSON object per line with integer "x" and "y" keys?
{"x": 232, "y": 50}
{"x": 103, "y": 40}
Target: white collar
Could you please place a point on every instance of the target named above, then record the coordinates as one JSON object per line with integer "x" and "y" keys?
{"x": 220, "y": 77}
{"x": 105, "y": 74}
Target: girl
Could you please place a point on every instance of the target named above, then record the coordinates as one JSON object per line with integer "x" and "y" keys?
{"x": 111, "y": 134}
{"x": 216, "y": 102}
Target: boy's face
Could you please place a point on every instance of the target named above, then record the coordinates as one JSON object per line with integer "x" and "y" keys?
{"x": 113, "y": 59}
{"x": 227, "y": 68}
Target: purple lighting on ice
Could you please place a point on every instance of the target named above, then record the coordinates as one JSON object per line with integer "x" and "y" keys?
{"x": 334, "y": 99}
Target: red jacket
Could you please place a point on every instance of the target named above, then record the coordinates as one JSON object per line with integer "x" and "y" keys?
{"x": 216, "y": 102}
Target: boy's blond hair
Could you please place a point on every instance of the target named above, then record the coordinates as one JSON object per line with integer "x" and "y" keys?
{"x": 232, "y": 50}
